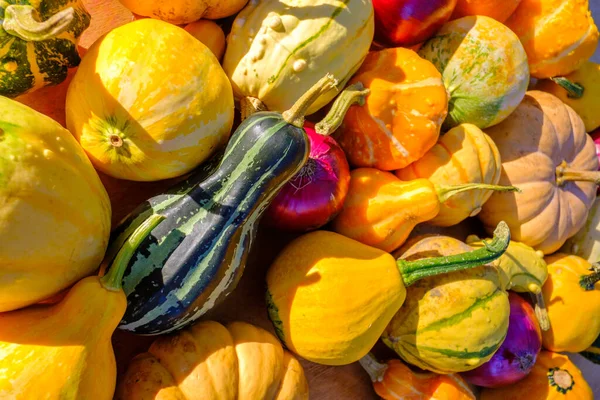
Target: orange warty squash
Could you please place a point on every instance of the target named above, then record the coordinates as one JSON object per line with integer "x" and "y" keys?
{"x": 403, "y": 113}
{"x": 209, "y": 361}
{"x": 210, "y": 34}
{"x": 500, "y": 10}
{"x": 546, "y": 152}
{"x": 554, "y": 377}
{"x": 558, "y": 35}
{"x": 464, "y": 154}
{"x": 394, "y": 380}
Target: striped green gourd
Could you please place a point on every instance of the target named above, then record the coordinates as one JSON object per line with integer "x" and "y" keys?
{"x": 195, "y": 256}
{"x": 449, "y": 323}
{"x": 38, "y": 42}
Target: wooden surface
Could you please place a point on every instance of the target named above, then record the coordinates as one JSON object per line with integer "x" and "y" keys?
{"x": 247, "y": 302}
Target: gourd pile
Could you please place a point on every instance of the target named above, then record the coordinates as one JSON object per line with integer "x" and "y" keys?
{"x": 369, "y": 131}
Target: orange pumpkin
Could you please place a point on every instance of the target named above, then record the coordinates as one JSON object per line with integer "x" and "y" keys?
{"x": 394, "y": 380}
{"x": 500, "y": 10}
{"x": 210, "y": 34}
{"x": 403, "y": 114}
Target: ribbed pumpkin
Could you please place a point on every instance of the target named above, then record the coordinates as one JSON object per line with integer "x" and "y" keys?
{"x": 453, "y": 322}
{"x": 277, "y": 50}
{"x": 586, "y": 106}
{"x": 394, "y": 380}
{"x": 464, "y": 154}
{"x": 38, "y": 43}
{"x": 149, "y": 102}
{"x": 54, "y": 211}
{"x": 500, "y": 10}
{"x": 403, "y": 114}
{"x": 545, "y": 152}
{"x": 586, "y": 243}
{"x": 554, "y": 377}
{"x": 572, "y": 295}
{"x": 184, "y": 11}
{"x": 209, "y": 361}
{"x": 484, "y": 67}
{"x": 558, "y": 35}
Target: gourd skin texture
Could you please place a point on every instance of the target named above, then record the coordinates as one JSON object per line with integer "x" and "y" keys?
{"x": 586, "y": 243}
{"x": 484, "y": 67}
{"x": 209, "y": 361}
{"x": 572, "y": 310}
{"x": 403, "y": 114}
{"x": 462, "y": 155}
{"x": 54, "y": 212}
{"x": 278, "y": 49}
{"x": 537, "y": 137}
{"x": 324, "y": 322}
{"x": 46, "y": 352}
{"x": 26, "y": 66}
{"x": 554, "y": 377}
{"x": 588, "y": 75}
{"x": 149, "y": 102}
{"x": 184, "y": 11}
{"x": 453, "y": 322}
{"x": 558, "y": 35}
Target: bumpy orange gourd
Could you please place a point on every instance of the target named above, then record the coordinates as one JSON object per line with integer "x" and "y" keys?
{"x": 572, "y": 296}
{"x": 209, "y": 361}
{"x": 500, "y": 10}
{"x": 546, "y": 152}
{"x": 210, "y": 34}
{"x": 554, "y": 377}
{"x": 403, "y": 113}
{"x": 394, "y": 380}
{"x": 184, "y": 11}
{"x": 381, "y": 211}
{"x": 464, "y": 154}
{"x": 558, "y": 35}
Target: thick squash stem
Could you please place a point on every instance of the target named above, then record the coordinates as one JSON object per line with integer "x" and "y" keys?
{"x": 588, "y": 282}
{"x": 541, "y": 312}
{"x": 374, "y": 368}
{"x": 412, "y": 271}
{"x": 574, "y": 90}
{"x": 445, "y": 192}
{"x": 353, "y": 94}
{"x": 295, "y": 115}
{"x": 113, "y": 280}
{"x": 21, "y": 21}
{"x": 250, "y": 105}
{"x": 565, "y": 174}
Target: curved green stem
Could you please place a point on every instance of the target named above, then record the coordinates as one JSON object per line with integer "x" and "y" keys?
{"x": 353, "y": 94}
{"x": 565, "y": 174}
{"x": 374, "y": 368}
{"x": 20, "y": 21}
{"x": 295, "y": 115}
{"x": 445, "y": 192}
{"x": 412, "y": 271}
{"x": 113, "y": 279}
{"x": 574, "y": 90}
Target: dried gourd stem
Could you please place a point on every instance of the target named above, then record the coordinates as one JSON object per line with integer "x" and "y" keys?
{"x": 295, "y": 115}
{"x": 565, "y": 174}
{"x": 353, "y": 94}
{"x": 20, "y": 21}
{"x": 574, "y": 90}
{"x": 588, "y": 282}
{"x": 374, "y": 368}
{"x": 113, "y": 280}
{"x": 541, "y": 312}
{"x": 445, "y": 192}
{"x": 251, "y": 105}
{"x": 412, "y": 271}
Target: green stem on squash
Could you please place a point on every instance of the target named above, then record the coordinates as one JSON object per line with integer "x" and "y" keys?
{"x": 588, "y": 282}
{"x": 541, "y": 312}
{"x": 374, "y": 368}
{"x": 113, "y": 279}
{"x": 353, "y": 94}
{"x": 445, "y": 192}
{"x": 295, "y": 115}
{"x": 412, "y": 271}
{"x": 574, "y": 90}
{"x": 250, "y": 105}
{"x": 20, "y": 21}
{"x": 565, "y": 174}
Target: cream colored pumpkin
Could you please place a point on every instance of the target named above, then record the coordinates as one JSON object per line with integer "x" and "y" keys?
{"x": 278, "y": 49}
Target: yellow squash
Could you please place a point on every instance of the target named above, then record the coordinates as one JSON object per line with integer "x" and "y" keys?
{"x": 149, "y": 101}
{"x": 54, "y": 211}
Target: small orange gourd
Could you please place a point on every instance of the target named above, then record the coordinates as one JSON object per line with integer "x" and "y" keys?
{"x": 381, "y": 211}
{"x": 394, "y": 380}
{"x": 210, "y": 34}
{"x": 554, "y": 377}
{"x": 500, "y": 10}
{"x": 403, "y": 113}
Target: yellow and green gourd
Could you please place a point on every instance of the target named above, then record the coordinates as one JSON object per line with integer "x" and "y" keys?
{"x": 38, "y": 42}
